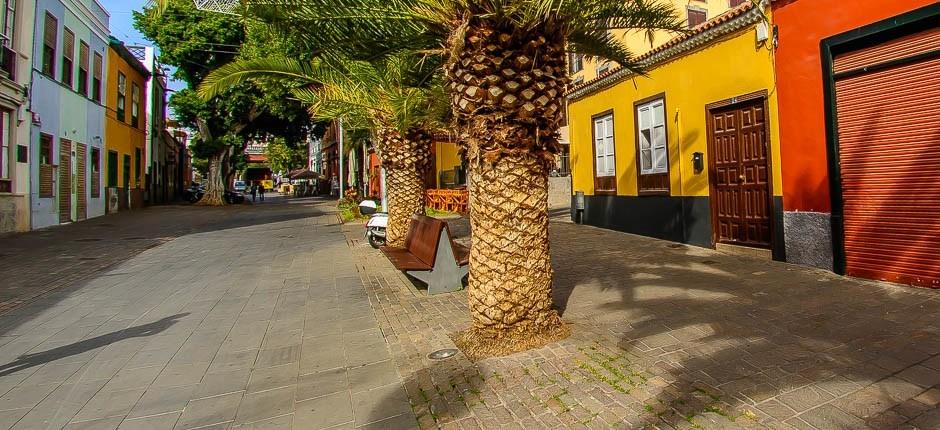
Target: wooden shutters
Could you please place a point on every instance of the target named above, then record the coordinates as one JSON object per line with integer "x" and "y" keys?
{"x": 46, "y": 168}
{"x": 605, "y": 162}
{"x": 888, "y": 128}
{"x": 83, "y": 59}
{"x": 81, "y": 179}
{"x": 121, "y": 96}
{"x": 50, "y": 35}
{"x": 696, "y": 16}
{"x": 68, "y": 58}
{"x": 95, "y": 173}
{"x": 65, "y": 180}
{"x": 96, "y": 78}
{"x": 740, "y": 174}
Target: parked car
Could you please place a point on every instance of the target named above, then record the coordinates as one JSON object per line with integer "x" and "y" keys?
{"x": 194, "y": 193}
{"x": 240, "y": 186}
{"x": 234, "y": 197}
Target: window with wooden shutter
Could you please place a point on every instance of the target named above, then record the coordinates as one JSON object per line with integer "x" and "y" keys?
{"x": 652, "y": 146}
{"x": 68, "y": 57}
{"x": 696, "y": 17}
{"x": 135, "y": 105}
{"x": 46, "y": 169}
{"x": 605, "y": 163}
{"x": 96, "y": 78}
{"x": 736, "y": 3}
{"x": 50, "y": 35}
{"x": 83, "y": 69}
{"x": 95, "y": 172}
{"x": 121, "y": 96}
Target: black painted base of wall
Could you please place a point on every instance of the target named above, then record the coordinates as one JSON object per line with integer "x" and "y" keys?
{"x": 678, "y": 219}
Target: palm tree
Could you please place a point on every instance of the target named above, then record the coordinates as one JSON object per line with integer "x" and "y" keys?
{"x": 389, "y": 98}
{"x": 505, "y": 66}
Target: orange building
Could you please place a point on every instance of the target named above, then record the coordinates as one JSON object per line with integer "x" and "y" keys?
{"x": 859, "y": 99}
{"x": 125, "y": 128}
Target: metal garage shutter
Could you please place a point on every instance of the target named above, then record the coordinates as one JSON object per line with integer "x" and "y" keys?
{"x": 889, "y": 148}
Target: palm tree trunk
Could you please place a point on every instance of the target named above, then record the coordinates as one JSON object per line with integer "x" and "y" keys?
{"x": 406, "y": 160}
{"x": 506, "y": 90}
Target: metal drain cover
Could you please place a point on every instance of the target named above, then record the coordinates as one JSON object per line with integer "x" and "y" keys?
{"x": 442, "y": 354}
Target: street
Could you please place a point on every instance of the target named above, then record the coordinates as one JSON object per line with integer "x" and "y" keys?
{"x": 185, "y": 317}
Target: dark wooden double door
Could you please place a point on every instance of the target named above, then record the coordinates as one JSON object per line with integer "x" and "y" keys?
{"x": 740, "y": 174}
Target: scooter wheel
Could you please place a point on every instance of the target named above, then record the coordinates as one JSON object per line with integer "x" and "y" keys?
{"x": 376, "y": 242}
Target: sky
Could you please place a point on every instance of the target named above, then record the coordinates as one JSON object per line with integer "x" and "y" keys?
{"x": 122, "y": 26}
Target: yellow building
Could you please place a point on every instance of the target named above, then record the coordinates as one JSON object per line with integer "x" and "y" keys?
{"x": 694, "y": 12}
{"x": 125, "y": 128}
{"x": 689, "y": 152}
{"x": 448, "y": 166}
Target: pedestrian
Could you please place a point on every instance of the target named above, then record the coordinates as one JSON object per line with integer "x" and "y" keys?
{"x": 334, "y": 186}
{"x": 254, "y": 190}
{"x": 261, "y": 191}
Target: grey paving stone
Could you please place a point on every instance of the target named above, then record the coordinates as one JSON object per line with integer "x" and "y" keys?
{"x": 805, "y": 398}
{"x": 400, "y": 422}
{"x": 162, "y": 400}
{"x": 371, "y": 376}
{"x": 273, "y": 377}
{"x": 358, "y": 324}
{"x": 181, "y": 374}
{"x": 210, "y": 411}
{"x": 266, "y": 404}
{"x": 831, "y": 417}
{"x": 283, "y": 422}
{"x": 133, "y": 378}
{"x": 380, "y": 403}
{"x": 921, "y": 375}
{"x": 110, "y": 423}
{"x": 321, "y": 354}
{"x": 321, "y": 383}
{"x": 278, "y": 356}
{"x": 26, "y": 396}
{"x": 9, "y": 417}
{"x": 324, "y": 412}
{"x": 58, "y": 408}
{"x": 237, "y": 360}
{"x": 109, "y": 404}
{"x": 155, "y": 422}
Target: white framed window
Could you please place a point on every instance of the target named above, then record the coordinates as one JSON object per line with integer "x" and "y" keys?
{"x": 575, "y": 62}
{"x": 604, "y": 161}
{"x": 603, "y": 68}
{"x": 6, "y": 154}
{"x": 651, "y": 127}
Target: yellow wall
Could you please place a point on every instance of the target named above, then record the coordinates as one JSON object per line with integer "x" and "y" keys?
{"x": 639, "y": 43}
{"x": 728, "y": 68}
{"x": 122, "y": 136}
{"x": 446, "y": 158}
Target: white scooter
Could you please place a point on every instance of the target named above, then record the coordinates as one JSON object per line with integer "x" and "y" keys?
{"x": 375, "y": 228}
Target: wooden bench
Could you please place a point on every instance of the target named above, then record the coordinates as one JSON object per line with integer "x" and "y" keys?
{"x": 431, "y": 256}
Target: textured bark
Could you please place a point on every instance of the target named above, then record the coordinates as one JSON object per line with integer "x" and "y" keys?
{"x": 406, "y": 160}
{"x": 507, "y": 99}
{"x": 215, "y": 185}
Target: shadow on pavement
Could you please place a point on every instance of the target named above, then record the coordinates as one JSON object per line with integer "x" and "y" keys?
{"x": 40, "y": 358}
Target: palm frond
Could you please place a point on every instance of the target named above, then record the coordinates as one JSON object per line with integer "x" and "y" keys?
{"x": 240, "y": 71}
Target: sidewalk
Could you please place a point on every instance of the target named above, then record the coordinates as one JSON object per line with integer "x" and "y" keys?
{"x": 672, "y": 336}
{"x": 250, "y": 318}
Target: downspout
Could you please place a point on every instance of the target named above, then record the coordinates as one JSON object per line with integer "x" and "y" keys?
{"x": 682, "y": 217}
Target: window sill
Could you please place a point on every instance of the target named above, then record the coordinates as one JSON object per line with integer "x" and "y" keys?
{"x": 652, "y": 193}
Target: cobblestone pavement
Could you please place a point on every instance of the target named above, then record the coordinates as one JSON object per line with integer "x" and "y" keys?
{"x": 670, "y": 336}
{"x": 242, "y": 317}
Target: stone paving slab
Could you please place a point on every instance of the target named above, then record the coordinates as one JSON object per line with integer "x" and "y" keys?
{"x": 255, "y": 320}
{"x": 672, "y": 336}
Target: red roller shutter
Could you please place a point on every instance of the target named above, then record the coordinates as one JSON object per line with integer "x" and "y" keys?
{"x": 889, "y": 148}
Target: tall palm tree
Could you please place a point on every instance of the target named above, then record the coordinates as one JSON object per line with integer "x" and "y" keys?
{"x": 504, "y": 62}
{"x": 392, "y": 99}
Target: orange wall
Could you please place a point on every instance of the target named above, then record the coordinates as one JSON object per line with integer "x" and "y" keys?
{"x": 802, "y": 25}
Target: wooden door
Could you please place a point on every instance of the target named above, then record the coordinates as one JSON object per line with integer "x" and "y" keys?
{"x": 65, "y": 181}
{"x": 81, "y": 177}
{"x": 739, "y": 174}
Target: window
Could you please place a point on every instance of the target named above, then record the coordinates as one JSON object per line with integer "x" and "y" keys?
{"x": 68, "y": 57}
{"x": 121, "y": 95}
{"x": 9, "y": 18}
{"x": 696, "y": 17}
{"x": 46, "y": 169}
{"x": 95, "y": 172}
{"x": 112, "y": 168}
{"x": 50, "y": 34}
{"x": 5, "y": 145}
{"x": 96, "y": 80}
{"x": 135, "y": 105}
{"x": 603, "y": 68}
{"x": 575, "y": 62}
{"x": 137, "y": 166}
{"x": 652, "y": 147}
{"x": 45, "y": 149}
{"x": 83, "y": 69}
{"x": 127, "y": 171}
{"x": 605, "y": 165}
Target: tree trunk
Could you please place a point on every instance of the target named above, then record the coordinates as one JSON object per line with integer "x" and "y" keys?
{"x": 406, "y": 160}
{"x": 507, "y": 88}
{"x": 215, "y": 184}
